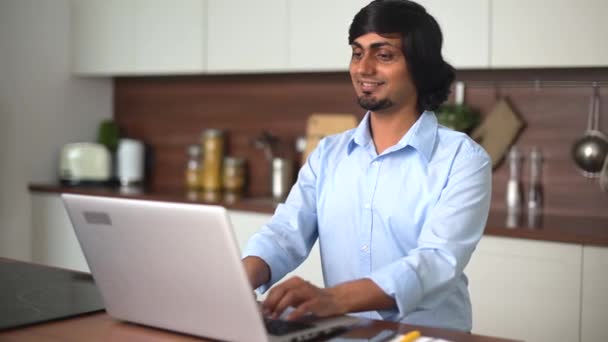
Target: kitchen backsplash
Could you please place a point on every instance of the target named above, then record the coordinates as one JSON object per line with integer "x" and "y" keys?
{"x": 169, "y": 113}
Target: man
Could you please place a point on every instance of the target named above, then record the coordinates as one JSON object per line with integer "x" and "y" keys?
{"x": 398, "y": 204}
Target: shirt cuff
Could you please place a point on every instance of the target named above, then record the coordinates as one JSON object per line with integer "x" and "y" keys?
{"x": 399, "y": 281}
{"x": 267, "y": 249}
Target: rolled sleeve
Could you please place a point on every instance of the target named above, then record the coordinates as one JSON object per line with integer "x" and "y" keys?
{"x": 287, "y": 239}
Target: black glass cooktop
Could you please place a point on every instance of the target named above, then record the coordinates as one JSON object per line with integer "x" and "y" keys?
{"x": 33, "y": 294}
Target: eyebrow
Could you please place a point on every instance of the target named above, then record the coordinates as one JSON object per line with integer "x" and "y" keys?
{"x": 374, "y": 45}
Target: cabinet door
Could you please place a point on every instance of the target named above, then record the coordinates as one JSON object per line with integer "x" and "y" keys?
{"x": 464, "y": 25}
{"x": 526, "y": 290}
{"x": 103, "y": 36}
{"x": 247, "y": 223}
{"x": 170, "y": 36}
{"x": 54, "y": 242}
{"x": 318, "y": 34}
{"x": 595, "y": 295}
{"x": 247, "y": 36}
{"x": 549, "y": 33}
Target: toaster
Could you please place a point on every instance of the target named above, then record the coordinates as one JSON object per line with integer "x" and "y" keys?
{"x": 85, "y": 164}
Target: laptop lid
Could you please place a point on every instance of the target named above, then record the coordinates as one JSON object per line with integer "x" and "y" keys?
{"x": 172, "y": 265}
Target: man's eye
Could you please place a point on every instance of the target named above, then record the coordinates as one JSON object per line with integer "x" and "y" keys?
{"x": 356, "y": 55}
{"x": 385, "y": 56}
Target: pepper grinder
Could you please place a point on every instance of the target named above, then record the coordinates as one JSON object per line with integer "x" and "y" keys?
{"x": 514, "y": 194}
{"x": 535, "y": 192}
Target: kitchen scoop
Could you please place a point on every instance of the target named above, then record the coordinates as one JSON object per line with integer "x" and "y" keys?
{"x": 590, "y": 151}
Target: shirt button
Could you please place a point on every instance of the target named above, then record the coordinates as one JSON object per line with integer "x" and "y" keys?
{"x": 367, "y": 206}
{"x": 375, "y": 163}
{"x": 365, "y": 248}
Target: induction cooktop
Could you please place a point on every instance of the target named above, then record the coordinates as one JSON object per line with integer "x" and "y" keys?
{"x": 32, "y": 294}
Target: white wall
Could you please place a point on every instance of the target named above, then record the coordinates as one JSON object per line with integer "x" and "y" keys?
{"x": 42, "y": 107}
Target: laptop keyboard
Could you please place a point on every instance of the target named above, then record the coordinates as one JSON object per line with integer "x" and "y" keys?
{"x": 280, "y": 327}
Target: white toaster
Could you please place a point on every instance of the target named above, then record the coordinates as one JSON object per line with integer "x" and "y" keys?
{"x": 85, "y": 163}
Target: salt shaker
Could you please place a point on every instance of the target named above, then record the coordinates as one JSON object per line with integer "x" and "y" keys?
{"x": 535, "y": 192}
{"x": 514, "y": 194}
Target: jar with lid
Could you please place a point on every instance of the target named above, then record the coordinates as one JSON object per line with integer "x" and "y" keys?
{"x": 234, "y": 175}
{"x": 193, "y": 168}
{"x": 212, "y": 144}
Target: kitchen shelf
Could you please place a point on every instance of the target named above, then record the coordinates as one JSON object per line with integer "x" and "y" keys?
{"x": 556, "y": 228}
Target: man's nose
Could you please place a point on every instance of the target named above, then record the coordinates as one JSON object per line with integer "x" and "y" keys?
{"x": 366, "y": 65}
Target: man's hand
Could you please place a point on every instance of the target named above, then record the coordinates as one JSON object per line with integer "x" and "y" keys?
{"x": 304, "y": 297}
{"x": 353, "y": 296}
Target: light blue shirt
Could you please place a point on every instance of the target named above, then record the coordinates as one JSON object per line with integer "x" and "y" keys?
{"x": 408, "y": 219}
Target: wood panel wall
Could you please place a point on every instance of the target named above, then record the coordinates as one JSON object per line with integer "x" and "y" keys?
{"x": 169, "y": 113}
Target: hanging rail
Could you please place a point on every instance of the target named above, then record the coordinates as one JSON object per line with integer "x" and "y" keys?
{"x": 537, "y": 84}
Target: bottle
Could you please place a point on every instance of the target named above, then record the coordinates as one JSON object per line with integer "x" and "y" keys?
{"x": 212, "y": 144}
{"x": 193, "y": 168}
{"x": 514, "y": 193}
{"x": 535, "y": 192}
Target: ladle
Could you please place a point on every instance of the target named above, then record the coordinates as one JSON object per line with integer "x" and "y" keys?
{"x": 589, "y": 152}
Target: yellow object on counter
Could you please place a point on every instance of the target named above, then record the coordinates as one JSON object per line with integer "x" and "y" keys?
{"x": 410, "y": 337}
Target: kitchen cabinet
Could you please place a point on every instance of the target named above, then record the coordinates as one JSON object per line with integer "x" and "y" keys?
{"x": 465, "y": 27}
{"x": 318, "y": 34}
{"x": 526, "y": 290}
{"x": 117, "y": 37}
{"x": 247, "y": 36}
{"x": 320, "y": 42}
{"x": 595, "y": 295}
{"x": 549, "y": 33}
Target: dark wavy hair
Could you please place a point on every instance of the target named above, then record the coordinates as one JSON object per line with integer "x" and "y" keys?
{"x": 421, "y": 45}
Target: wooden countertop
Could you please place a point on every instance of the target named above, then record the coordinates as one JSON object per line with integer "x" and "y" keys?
{"x": 568, "y": 229}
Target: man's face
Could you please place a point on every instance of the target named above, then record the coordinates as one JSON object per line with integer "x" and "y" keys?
{"x": 379, "y": 73}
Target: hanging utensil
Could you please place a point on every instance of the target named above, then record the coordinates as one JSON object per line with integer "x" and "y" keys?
{"x": 590, "y": 151}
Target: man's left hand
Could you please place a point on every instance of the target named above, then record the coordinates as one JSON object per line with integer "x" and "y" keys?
{"x": 304, "y": 297}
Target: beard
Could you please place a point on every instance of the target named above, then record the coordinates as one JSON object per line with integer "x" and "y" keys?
{"x": 371, "y": 103}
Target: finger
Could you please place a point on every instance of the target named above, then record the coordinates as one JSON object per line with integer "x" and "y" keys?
{"x": 296, "y": 296}
{"x": 274, "y": 296}
{"x": 290, "y": 298}
{"x": 277, "y": 292}
{"x": 301, "y": 310}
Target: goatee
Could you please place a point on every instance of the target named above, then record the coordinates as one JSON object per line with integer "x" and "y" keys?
{"x": 370, "y": 103}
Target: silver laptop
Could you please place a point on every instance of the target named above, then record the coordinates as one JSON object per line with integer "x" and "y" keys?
{"x": 176, "y": 266}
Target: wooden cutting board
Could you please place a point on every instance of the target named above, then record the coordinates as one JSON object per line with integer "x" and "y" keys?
{"x": 498, "y": 131}
{"x": 320, "y": 125}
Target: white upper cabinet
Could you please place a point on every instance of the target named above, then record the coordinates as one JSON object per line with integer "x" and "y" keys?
{"x": 318, "y": 35}
{"x": 115, "y": 37}
{"x": 549, "y": 33}
{"x": 465, "y": 28}
{"x": 247, "y": 36}
{"x": 103, "y": 36}
{"x": 171, "y": 36}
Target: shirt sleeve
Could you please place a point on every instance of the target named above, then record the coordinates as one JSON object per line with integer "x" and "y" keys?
{"x": 287, "y": 239}
{"x": 446, "y": 242}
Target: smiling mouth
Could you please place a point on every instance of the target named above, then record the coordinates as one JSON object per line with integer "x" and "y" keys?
{"x": 368, "y": 86}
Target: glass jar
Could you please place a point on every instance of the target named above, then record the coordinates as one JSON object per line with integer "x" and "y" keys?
{"x": 193, "y": 168}
{"x": 212, "y": 144}
{"x": 234, "y": 175}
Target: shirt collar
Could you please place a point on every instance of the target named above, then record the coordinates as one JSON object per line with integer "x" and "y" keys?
{"x": 421, "y": 136}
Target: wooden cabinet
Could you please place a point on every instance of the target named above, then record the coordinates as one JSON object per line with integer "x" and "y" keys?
{"x": 526, "y": 290}
{"x": 549, "y": 33}
{"x": 118, "y": 37}
{"x": 465, "y": 27}
{"x": 247, "y": 36}
{"x": 595, "y": 295}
